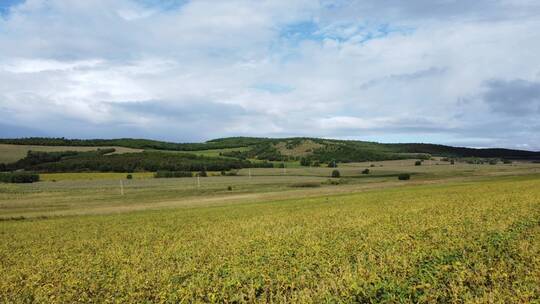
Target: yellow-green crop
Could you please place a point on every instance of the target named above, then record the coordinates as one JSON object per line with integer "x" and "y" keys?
{"x": 473, "y": 242}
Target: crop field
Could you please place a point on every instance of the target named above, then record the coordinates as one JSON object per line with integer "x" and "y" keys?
{"x": 461, "y": 233}
{"x": 12, "y": 153}
{"x": 472, "y": 242}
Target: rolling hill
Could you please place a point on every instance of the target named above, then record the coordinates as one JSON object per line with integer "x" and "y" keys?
{"x": 316, "y": 148}
{"x": 232, "y": 152}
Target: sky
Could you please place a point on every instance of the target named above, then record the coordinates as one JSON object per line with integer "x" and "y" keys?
{"x": 455, "y": 72}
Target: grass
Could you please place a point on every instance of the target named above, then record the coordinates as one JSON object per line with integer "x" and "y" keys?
{"x": 56, "y": 177}
{"x": 462, "y": 233}
{"x": 306, "y": 185}
{"x": 12, "y": 153}
{"x": 209, "y": 153}
{"x": 304, "y": 148}
{"x": 465, "y": 242}
{"x": 82, "y": 193}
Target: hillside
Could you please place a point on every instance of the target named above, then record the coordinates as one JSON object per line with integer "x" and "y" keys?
{"x": 12, "y": 153}
{"x": 310, "y": 151}
{"x": 133, "y": 143}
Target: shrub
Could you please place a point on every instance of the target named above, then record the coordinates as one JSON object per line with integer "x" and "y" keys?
{"x": 493, "y": 162}
{"x": 229, "y": 188}
{"x": 404, "y": 176}
{"x": 19, "y": 177}
{"x": 507, "y": 161}
{"x": 172, "y": 174}
{"x": 366, "y": 171}
{"x": 418, "y": 163}
{"x": 452, "y": 162}
{"x": 332, "y": 164}
{"x": 203, "y": 173}
{"x": 129, "y": 176}
{"x": 372, "y": 165}
{"x": 229, "y": 173}
{"x": 333, "y": 182}
{"x": 336, "y": 174}
{"x": 316, "y": 164}
{"x": 304, "y": 162}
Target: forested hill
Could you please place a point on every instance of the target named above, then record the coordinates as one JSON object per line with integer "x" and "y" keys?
{"x": 274, "y": 149}
{"x": 130, "y": 143}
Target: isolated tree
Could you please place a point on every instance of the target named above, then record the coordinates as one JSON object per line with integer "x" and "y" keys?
{"x": 418, "y": 163}
{"x": 336, "y": 174}
{"x": 366, "y": 171}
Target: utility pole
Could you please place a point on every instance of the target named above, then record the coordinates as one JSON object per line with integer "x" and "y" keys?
{"x": 249, "y": 172}
{"x": 121, "y": 188}
{"x": 198, "y": 180}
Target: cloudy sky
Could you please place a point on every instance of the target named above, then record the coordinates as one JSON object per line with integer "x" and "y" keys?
{"x": 455, "y": 72}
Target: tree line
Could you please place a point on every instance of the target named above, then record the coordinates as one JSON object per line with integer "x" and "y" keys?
{"x": 19, "y": 177}
{"x": 98, "y": 161}
{"x": 128, "y": 143}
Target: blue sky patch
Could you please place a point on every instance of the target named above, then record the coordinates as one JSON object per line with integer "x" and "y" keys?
{"x": 163, "y": 4}
{"x": 5, "y": 5}
{"x": 362, "y": 33}
{"x": 300, "y": 31}
{"x": 273, "y": 88}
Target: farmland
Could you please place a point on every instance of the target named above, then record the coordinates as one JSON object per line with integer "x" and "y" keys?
{"x": 81, "y": 193}
{"x": 451, "y": 242}
{"x": 462, "y": 232}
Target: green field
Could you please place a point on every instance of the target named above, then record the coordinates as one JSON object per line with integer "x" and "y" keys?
{"x": 210, "y": 152}
{"x": 462, "y": 233}
{"x": 82, "y": 193}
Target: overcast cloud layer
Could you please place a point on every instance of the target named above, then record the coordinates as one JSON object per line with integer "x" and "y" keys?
{"x": 455, "y": 72}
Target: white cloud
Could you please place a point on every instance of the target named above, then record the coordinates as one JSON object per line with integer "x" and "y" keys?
{"x": 357, "y": 69}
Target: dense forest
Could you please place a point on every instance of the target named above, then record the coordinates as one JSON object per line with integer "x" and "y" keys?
{"x": 347, "y": 154}
{"x": 99, "y": 161}
{"x": 448, "y": 151}
{"x": 262, "y": 151}
{"x": 133, "y": 143}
